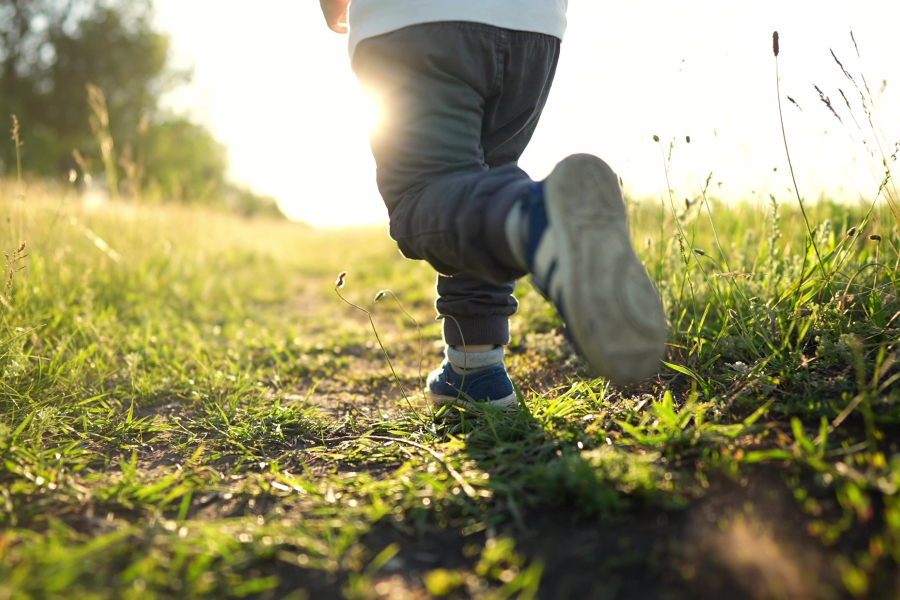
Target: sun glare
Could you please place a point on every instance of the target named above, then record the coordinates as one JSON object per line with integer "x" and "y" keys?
{"x": 371, "y": 110}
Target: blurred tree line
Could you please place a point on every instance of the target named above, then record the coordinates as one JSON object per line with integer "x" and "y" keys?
{"x": 85, "y": 79}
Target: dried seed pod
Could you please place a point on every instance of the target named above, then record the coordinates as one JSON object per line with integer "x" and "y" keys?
{"x": 851, "y": 232}
{"x": 340, "y": 280}
{"x": 699, "y": 251}
{"x": 655, "y": 138}
{"x": 875, "y": 237}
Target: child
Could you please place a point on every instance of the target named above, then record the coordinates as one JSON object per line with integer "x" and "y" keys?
{"x": 462, "y": 84}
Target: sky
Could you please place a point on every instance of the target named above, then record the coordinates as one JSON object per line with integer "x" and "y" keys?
{"x": 275, "y": 85}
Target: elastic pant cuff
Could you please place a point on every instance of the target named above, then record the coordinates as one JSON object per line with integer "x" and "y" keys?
{"x": 491, "y": 329}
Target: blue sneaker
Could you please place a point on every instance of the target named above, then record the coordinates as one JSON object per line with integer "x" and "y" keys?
{"x": 580, "y": 256}
{"x": 487, "y": 386}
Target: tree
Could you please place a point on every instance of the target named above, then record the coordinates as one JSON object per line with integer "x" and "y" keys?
{"x": 185, "y": 162}
{"x": 87, "y": 76}
{"x": 51, "y": 49}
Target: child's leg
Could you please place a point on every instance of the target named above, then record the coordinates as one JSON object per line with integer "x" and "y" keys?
{"x": 461, "y": 101}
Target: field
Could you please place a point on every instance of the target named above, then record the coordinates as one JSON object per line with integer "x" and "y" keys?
{"x": 188, "y": 408}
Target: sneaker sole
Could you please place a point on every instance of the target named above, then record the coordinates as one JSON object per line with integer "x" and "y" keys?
{"x": 611, "y": 307}
{"x": 438, "y": 400}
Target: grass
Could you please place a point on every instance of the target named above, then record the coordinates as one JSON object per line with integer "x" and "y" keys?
{"x": 189, "y": 410}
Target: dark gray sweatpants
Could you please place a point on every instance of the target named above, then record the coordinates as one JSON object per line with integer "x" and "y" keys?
{"x": 461, "y": 102}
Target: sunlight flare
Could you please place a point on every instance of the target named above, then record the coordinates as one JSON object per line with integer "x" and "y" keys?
{"x": 370, "y": 110}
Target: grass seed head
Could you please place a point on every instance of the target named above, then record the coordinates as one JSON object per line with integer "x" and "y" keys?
{"x": 875, "y": 237}
{"x": 827, "y": 102}
{"x": 699, "y": 251}
{"x": 380, "y": 295}
{"x": 655, "y": 138}
{"x": 775, "y": 47}
{"x": 340, "y": 280}
{"x": 851, "y": 232}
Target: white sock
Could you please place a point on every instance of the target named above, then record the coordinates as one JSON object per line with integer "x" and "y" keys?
{"x": 472, "y": 362}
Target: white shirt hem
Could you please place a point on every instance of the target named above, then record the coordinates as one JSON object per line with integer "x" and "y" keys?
{"x": 370, "y": 18}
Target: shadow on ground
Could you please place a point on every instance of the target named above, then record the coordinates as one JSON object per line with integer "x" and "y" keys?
{"x": 743, "y": 539}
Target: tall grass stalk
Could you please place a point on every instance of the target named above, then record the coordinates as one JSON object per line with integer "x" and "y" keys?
{"x": 100, "y": 126}
{"x": 338, "y": 285}
{"x": 812, "y": 237}
{"x": 379, "y": 296}
{"x": 20, "y": 193}
{"x": 17, "y": 140}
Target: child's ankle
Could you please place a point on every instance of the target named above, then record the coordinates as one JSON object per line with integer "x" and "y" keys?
{"x": 476, "y": 348}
